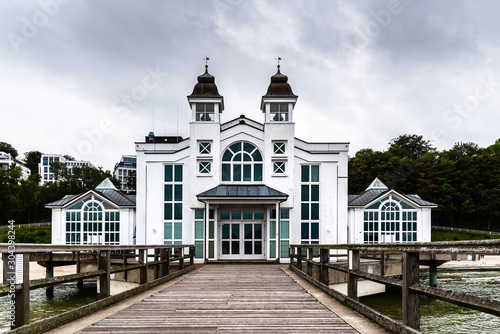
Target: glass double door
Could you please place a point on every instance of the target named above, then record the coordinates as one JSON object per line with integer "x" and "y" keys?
{"x": 241, "y": 240}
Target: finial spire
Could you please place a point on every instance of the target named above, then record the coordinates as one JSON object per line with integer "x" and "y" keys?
{"x": 278, "y": 59}
{"x": 206, "y": 59}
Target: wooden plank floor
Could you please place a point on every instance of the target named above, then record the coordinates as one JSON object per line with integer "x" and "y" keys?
{"x": 227, "y": 298}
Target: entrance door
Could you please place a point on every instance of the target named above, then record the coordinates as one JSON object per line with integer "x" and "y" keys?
{"x": 253, "y": 238}
{"x": 242, "y": 235}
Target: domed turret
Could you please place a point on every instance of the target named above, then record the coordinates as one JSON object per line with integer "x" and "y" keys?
{"x": 279, "y": 100}
{"x": 205, "y": 88}
{"x": 206, "y": 103}
{"x": 279, "y": 87}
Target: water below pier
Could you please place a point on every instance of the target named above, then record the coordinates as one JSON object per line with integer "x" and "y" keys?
{"x": 441, "y": 317}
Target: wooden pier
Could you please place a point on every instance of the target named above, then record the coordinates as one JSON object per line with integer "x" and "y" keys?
{"x": 228, "y": 298}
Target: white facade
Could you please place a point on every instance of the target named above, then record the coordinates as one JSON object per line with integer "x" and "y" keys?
{"x": 6, "y": 160}
{"x": 381, "y": 215}
{"x": 236, "y": 176}
{"x": 102, "y": 216}
{"x": 46, "y": 172}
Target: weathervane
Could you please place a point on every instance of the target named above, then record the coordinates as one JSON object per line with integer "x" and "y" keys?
{"x": 278, "y": 59}
{"x": 206, "y": 59}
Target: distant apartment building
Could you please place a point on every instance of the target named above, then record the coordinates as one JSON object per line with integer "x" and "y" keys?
{"x": 46, "y": 172}
{"x": 125, "y": 172}
{"x": 6, "y": 160}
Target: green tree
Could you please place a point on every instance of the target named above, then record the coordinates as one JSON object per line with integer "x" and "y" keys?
{"x": 8, "y": 148}
{"x": 32, "y": 160}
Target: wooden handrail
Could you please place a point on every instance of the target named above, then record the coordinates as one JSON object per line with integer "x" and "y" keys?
{"x": 410, "y": 262}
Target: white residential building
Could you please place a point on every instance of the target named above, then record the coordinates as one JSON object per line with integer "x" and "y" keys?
{"x": 46, "y": 172}
{"x": 125, "y": 172}
{"x": 6, "y": 160}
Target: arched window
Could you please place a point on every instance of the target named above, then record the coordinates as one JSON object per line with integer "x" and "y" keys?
{"x": 389, "y": 222}
{"x": 242, "y": 162}
{"x": 93, "y": 221}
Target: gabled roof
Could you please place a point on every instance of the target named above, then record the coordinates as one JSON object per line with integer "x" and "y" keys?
{"x": 242, "y": 191}
{"x": 377, "y": 189}
{"x": 106, "y": 189}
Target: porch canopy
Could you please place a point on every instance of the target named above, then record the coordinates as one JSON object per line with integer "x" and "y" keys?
{"x": 242, "y": 194}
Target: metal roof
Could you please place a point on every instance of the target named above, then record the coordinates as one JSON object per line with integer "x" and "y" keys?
{"x": 242, "y": 191}
{"x": 370, "y": 195}
{"x": 112, "y": 195}
{"x": 365, "y": 197}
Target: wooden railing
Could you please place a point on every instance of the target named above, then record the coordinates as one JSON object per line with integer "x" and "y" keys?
{"x": 346, "y": 258}
{"x": 163, "y": 262}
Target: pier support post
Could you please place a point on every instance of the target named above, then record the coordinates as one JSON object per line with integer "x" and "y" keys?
{"x": 352, "y": 280}
{"x": 411, "y": 302}
{"x": 104, "y": 280}
{"x": 433, "y": 270}
{"x": 79, "y": 283}
{"x": 49, "y": 273}
{"x": 22, "y": 294}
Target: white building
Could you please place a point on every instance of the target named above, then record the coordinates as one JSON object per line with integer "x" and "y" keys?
{"x": 6, "y": 160}
{"x": 125, "y": 172}
{"x": 380, "y": 215}
{"x": 100, "y": 216}
{"x": 240, "y": 190}
{"x": 46, "y": 172}
{"x": 222, "y": 188}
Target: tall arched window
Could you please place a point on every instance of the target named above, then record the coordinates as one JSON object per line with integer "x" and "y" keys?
{"x": 389, "y": 222}
{"x": 93, "y": 221}
{"x": 242, "y": 162}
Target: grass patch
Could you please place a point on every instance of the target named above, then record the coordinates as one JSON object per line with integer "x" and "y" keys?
{"x": 437, "y": 235}
{"x": 28, "y": 235}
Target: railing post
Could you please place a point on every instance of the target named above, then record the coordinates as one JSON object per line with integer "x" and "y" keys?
{"x": 292, "y": 256}
{"x": 192, "y": 251}
{"x": 157, "y": 257}
{"x": 299, "y": 258}
{"x": 164, "y": 265}
{"x": 22, "y": 294}
{"x": 309, "y": 263}
{"x": 325, "y": 259}
{"x": 411, "y": 302}
{"x": 352, "y": 280}
{"x": 181, "y": 258}
{"x": 104, "y": 280}
{"x": 143, "y": 271}
{"x": 169, "y": 255}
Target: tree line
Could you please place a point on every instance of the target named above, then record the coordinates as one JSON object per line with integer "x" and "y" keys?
{"x": 24, "y": 200}
{"x": 463, "y": 181}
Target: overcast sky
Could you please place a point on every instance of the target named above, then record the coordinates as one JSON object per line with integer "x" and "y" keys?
{"x": 90, "y": 78}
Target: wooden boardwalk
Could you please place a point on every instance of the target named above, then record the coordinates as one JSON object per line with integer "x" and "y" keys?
{"x": 227, "y": 299}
